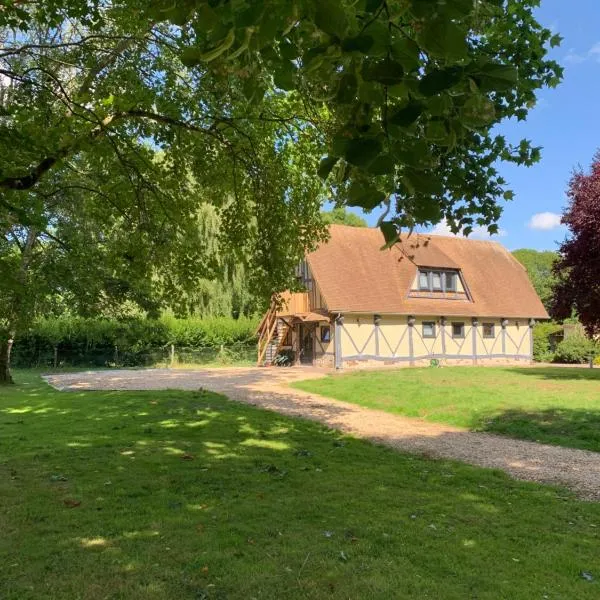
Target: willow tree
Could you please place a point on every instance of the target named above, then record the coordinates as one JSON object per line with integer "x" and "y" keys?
{"x": 397, "y": 99}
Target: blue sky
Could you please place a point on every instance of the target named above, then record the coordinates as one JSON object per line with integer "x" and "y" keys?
{"x": 565, "y": 122}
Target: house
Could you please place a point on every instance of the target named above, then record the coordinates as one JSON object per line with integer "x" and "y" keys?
{"x": 457, "y": 300}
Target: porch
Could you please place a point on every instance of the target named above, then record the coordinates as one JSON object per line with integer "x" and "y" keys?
{"x": 291, "y": 333}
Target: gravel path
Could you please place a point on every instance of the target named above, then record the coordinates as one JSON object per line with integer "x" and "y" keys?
{"x": 267, "y": 388}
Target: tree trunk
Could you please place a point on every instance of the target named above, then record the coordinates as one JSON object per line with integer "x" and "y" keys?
{"x": 5, "y": 348}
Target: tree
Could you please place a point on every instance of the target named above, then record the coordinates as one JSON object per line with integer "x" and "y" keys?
{"x": 122, "y": 102}
{"x": 578, "y": 266}
{"x": 341, "y": 216}
{"x": 539, "y": 268}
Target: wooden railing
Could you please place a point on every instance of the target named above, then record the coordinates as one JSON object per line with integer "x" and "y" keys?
{"x": 293, "y": 303}
{"x": 265, "y": 331}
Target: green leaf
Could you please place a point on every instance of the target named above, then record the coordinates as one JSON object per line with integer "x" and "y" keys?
{"x": 384, "y": 164}
{"x": 439, "y": 80}
{"x": 386, "y": 72}
{"x": 427, "y": 210}
{"x": 416, "y": 154}
{"x": 283, "y": 77}
{"x": 478, "y": 111}
{"x": 380, "y": 33}
{"x": 360, "y": 43}
{"x": 444, "y": 39}
{"x": 326, "y": 165}
{"x": 191, "y": 57}
{"x": 406, "y": 116}
{"x": 496, "y": 76}
{"x": 406, "y": 52}
{"x": 331, "y": 18}
{"x": 422, "y": 182}
{"x": 347, "y": 89}
{"x": 390, "y": 233}
{"x": 362, "y": 151}
{"x": 440, "y": 105}
{"x": 436, "y": 131}
{"x": 364, "y": 195}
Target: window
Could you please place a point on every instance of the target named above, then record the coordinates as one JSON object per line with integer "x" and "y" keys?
{"x": 488, "y": 330}
{"x": 325, "y": 334}
{"x": 437, "y": 281}
{"x": 458, "y": 330}
{"x": 428, "y": 329}
{"x": 450, "y": 281}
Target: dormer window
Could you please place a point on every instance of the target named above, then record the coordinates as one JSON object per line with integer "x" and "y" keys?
{"x": 433, "y": 280}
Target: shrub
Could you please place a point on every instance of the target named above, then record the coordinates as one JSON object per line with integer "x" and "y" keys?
{"x": 131, "y": 342}
{"x": 543, "y": 350}
{"x": 575, "y": 349}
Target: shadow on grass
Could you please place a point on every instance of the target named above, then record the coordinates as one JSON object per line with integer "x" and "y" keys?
{"x": 559, "y": 373}
{"x": 563, "y": 427}
{"x": 171, "y": 494}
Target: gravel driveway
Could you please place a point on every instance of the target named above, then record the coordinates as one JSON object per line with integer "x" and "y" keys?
{"x": 267, "y": 388}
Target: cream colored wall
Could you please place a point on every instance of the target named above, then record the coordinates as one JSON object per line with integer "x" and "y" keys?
{"x": 426, "y": 346}
{"x": 394, "y": 338}
{"x": 459, "y": 346}
{"x": 324, "y": 347}
{"x": 518, "y": 340}
{"x": 489, "y": 345}
{"x": 359, "y": 328}
{"x": 395, "y": 330}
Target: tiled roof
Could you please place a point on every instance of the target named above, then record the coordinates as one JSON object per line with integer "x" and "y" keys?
{"x": 355, "y": 275}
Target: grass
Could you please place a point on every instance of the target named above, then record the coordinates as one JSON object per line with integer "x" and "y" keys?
{"x": 552, "y": 405}
{"x": 162, "y": 495}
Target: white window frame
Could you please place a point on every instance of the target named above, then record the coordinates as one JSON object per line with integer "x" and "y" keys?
{"x": 433, "y": 332}
{"x": 443, "y": 274}
{"x": 462, "y": 329}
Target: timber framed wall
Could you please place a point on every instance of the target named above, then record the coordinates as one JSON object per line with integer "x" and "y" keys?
{"x": 364, "y": 338}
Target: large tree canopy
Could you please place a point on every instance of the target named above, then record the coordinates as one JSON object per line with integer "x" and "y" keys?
{"x": 539, "y": 268}
{"x": 578, "y": 266}
{"x": 412, "y": 88}
{"x": 119, "y": 118}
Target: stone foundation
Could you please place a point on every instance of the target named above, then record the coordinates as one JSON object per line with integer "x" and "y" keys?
{"x": 446, "y": 362}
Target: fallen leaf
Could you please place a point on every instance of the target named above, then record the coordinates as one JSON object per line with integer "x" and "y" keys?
{"x": 204, "y": 569}
{"x": 343, "y": 556}
{"x": 187, "y": 457}
{"x": 71, "y": 503}
{"x": 586, "y": 575}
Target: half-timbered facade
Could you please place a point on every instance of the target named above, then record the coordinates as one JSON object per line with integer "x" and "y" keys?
{"x": 451, "y": 299}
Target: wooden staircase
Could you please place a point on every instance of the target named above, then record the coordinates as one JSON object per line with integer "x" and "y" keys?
{"x": 272, "y": 332}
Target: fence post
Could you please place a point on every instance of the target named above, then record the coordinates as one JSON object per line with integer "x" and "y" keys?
{"x": 172, "y": 354}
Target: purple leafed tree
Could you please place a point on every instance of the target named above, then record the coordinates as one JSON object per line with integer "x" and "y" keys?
{"x": 578, "y": 266}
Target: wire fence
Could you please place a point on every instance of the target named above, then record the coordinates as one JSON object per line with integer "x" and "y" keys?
{"x": 82, "y": 355}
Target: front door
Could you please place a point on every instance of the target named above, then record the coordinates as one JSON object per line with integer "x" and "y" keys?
{"x": 306, "y": 334}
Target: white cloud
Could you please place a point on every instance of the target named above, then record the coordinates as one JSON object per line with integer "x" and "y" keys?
{"x": 576, "y": 58}
{"x": 479, "y": 233}
{"x": 544, "y": 221}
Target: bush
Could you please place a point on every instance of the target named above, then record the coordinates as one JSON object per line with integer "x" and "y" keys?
{"x": 133, "y": 342}
{"x": 543, "y": 350}
{"x": 575, "y": 349}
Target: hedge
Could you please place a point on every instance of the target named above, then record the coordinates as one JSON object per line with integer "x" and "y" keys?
{"x": 133, "y": 342}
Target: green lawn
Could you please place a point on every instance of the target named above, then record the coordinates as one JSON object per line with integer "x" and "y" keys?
{"x": 552, "y": 405}
{"x": 182, "y": 495}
